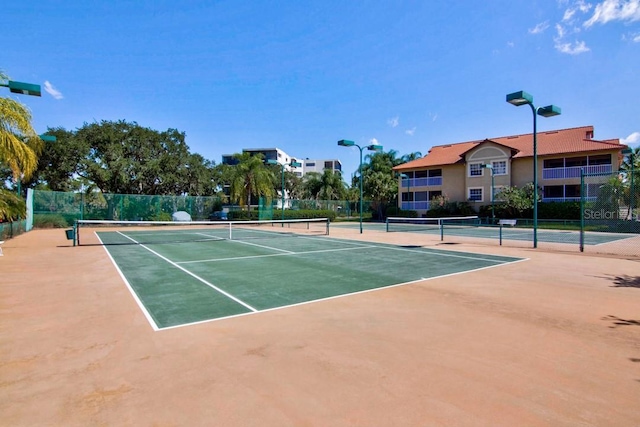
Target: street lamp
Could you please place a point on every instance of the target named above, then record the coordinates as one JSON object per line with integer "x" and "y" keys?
{"x": 372, "y": 147}
{"x": 522, "y": 98}
{"x": 493, "y": 213}
{"x": 408, "y": 178}
{"x": 629, "y": 152}
{"x": 22, "y": 88}
{"x": 293, "y": 164}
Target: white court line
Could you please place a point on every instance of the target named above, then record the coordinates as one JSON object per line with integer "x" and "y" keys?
{"x": 425, "y": 250}
{"x": 271, "y": 255}
{"x": 344, "y": 295}
{"x": 195, "y": 276}
{"x": 255, "y": 244}
{"x": 133, "y": 293}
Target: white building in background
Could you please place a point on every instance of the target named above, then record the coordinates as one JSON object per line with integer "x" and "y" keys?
{"x": 307, "y": 165}
{"x": 320, "y": 165}
{"x": 278, "y": 155}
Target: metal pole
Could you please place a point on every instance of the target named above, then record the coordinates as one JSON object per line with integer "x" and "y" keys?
{"x": 493, "y": 213}
{"x": 360, "y": 170}
{"x": 535, "y": 179}
{"x": 409, "y": 191}
{"x": 631, "y": 159}
{"x": 283, "y": 192}
{"x": 582, "y": 197}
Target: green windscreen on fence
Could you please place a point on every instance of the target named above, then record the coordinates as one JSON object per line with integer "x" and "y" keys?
{"x": 609, "y": 204}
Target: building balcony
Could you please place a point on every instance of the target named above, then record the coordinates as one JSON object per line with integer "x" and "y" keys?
{"x": 574, "y": 171}
{"x": 422, "y": 182}
{"x": 415, "y": 206}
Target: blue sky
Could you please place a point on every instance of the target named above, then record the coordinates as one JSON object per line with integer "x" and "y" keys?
{"x": 300, "y": 75}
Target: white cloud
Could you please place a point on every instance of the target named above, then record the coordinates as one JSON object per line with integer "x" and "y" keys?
{"x": 631, "y": 139}
{"x": 615, "y": 10}
{"x": 373, "y": 141}
{"x": 511, "y": 44}
{"x": 411, "y": 131}
{"x": 570, "y": 48}
{"x": 580, "y": 6}
{"x": 433, "y": 117}
{"x": 539, "y": 28}
{"x": 394, "y": 121}
{"x": 48, "y": 87}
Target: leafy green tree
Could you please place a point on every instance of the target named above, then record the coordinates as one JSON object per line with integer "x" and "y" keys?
{"x": 631, "y": 194}
{"x": 325, "y": 186}
{"x": 515, "y": 202}
{"x": 59, "y": 163}
{"x": 250, "y": 177}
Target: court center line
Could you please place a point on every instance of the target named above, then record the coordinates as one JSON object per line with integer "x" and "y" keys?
{"x": 271, "y": 255}
{"x": 195, "y": 276}
{"x": 255, "y": 244}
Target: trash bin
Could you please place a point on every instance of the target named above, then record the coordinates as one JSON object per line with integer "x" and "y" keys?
{"x": 71, "y": 235}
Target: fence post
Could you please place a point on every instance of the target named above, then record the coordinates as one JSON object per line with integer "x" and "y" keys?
{"x": 582, "y": 196}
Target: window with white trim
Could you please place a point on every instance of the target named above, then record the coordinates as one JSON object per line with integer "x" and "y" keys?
{"x": 475, "y": 169}
{"x": 499, "y": 168}
{"x": 475, "y": 194}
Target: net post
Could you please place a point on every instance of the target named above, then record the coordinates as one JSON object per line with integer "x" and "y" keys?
{"x": 230, "y": 232}
{"x": 328, "y": 222}
{"x": 76, "y": 230}
{"x": 387, "y": 224}
{"x": 500, "y": 225}
{"x": 441, "y": 231}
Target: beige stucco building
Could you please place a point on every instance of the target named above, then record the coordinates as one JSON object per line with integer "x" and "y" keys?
{"x": 459, "y": 172}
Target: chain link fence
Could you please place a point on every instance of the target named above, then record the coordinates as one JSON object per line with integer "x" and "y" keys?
{"x": 609, "y": 210}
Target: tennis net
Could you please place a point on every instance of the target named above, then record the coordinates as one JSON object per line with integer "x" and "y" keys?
{"x": 150, "y": 232}
{"x": 435, "y": 225}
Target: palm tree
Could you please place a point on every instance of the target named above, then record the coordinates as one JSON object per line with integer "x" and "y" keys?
{"x": 411, "y": 156}
{"x": 250, "y": 177}
{"x": 19, "y": 150}
{"x": 326, "y": 186}
{"x": 19, "y": 143}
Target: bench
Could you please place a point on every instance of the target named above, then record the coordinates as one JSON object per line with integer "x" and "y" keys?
{"x": 511, "y": 222}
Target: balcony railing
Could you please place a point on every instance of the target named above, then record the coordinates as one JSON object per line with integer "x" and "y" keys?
{"x": 423, "y": 182}
{"x": 567, "y": 199}
{"x": 414, "y": 206}
{"x": 574, "y": 171}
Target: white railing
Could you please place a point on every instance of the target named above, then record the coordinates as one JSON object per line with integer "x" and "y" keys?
{"x": 414, "y": 206}
{"x": 422, "y": 182}
{"x": 574, "y": 171}
{"x": 567, "y": 199}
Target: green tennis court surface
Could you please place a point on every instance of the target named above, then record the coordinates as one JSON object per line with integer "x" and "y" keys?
{"x": 189, "y": 282}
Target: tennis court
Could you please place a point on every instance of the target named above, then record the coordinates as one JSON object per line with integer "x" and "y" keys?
{"x": 193, "y": 274}
{"x": 476, "y": 230}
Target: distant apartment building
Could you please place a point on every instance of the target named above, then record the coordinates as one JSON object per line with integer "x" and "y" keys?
{"x": 278, "y": 155}
{"x": 458, "y": 171}
{"x": 319, "y": 165}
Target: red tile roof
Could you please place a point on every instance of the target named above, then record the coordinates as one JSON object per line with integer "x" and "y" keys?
{"x": 574, "y": 140}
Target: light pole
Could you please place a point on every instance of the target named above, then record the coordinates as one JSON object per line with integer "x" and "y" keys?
{"x": 372, "y": 147}
{"x": 522, "y": 98}
{"x": 493, "y": 213}
{"x": 293, "y": 164}
{"x": 408, "y": 178}
{"x": 629, "y": 152}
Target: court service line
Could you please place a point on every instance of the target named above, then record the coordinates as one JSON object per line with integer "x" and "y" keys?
{"x": 195, "y": 276}
{"x": 349, "y": 294}
{"x": 271, "y": 255}
{"x": 255, "y": 244}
